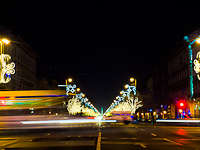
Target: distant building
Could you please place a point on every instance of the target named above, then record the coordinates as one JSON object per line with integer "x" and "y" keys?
{"x": 24, "y": 58}
{"x": 155, "y": 93}
{"x": 44, "y": 84}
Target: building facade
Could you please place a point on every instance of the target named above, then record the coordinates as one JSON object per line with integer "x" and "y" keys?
{"x": 24, "y": 58}
{"x": 170, "y": 83}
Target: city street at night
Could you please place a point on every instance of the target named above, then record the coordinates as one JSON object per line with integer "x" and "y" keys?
{"x": 95, "y": 75}
{"x": 105, "y": 136}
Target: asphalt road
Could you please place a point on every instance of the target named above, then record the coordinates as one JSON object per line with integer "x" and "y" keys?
{"x": 102, "y": 137}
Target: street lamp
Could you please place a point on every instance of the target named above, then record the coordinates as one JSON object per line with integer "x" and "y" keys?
{"x": 134, "y": 81}
{"x": 3, "y": 41}
{"x": 68, "y": 80}
{"x": 190, "y": 59}
{"x": 6, "y": 68}
{"x": 78, "y": 89}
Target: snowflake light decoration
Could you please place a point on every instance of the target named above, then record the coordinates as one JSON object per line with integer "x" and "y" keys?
{"x": 6, "y": 69}
{"x": 120, "y": 98}
{"x": 70, "y": 88}
{"x": 79, "y": 96}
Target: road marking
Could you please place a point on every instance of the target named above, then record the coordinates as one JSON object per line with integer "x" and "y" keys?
{"x": 133, "y": 143}
{"x": 153, "y": 134}
{"x": 158, "y": 138}
{"x": 190, "y": 139}
{"x": 140, "y": 145}
{"x": 172, "y": 141}
{"x": 99, "y": 142}
{"x": 10, "y": 143}
{"x": 120, "y": 138}
{"x": 129, "y": 138}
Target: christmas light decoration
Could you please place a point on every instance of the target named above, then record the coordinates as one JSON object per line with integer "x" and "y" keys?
{"x": 128, "y": 91}
{"x": 70, "y": 88}
{"x": 197, "y": 65}
{"x": 74, "y": 106}
{"x": 6, "y": 68}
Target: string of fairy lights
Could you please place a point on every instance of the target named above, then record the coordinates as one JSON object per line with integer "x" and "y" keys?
{"x": 79, "y": 103}
{"x": 126, "y": 101}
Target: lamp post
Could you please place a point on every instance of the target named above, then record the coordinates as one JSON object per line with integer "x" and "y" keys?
{"x": 191, "y": 64}
{"x": 6, "y": 69}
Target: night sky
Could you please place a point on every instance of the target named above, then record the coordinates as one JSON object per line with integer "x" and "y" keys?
{"x": 97, "y": 43}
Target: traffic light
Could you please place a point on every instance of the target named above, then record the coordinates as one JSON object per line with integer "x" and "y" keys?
{"x": 2, "y": 101}
{"x": 181, "y": 104}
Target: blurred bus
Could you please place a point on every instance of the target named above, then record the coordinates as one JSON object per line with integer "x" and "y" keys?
{"x": 120, "y": 116}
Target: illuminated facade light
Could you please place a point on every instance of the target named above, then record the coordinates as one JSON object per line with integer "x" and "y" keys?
{"x": 197, "y": 65}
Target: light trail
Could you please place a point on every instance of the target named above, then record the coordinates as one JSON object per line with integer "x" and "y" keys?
{"x": 67, "y": 121}
{"x": 185, "y": 121}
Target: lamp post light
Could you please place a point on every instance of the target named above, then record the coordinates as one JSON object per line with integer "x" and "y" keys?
{"x": 134, "y": 81}
{"x": 191, "y": 64}
{"x": 6, "y": 68}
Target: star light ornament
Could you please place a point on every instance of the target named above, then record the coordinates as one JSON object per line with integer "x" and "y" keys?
{"x": 70, "y": 88}
{"x": 6, "y": 68}
{"x": 197, "y": 65}
{"x": 120, "y": 98}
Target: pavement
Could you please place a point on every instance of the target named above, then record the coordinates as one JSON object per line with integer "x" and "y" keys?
{"x": 117, "y": 136}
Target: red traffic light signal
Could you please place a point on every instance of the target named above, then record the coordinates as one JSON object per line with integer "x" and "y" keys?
{"x": 181, "y": 104}
{"x": 3, "y": 103}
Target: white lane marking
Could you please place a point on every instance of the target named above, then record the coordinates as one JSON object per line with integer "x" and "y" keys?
{"x": 153, "y": 134}
{"x": 99, "y": 142}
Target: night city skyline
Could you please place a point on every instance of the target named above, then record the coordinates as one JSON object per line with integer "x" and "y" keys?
{"x": 99, "y": 45}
